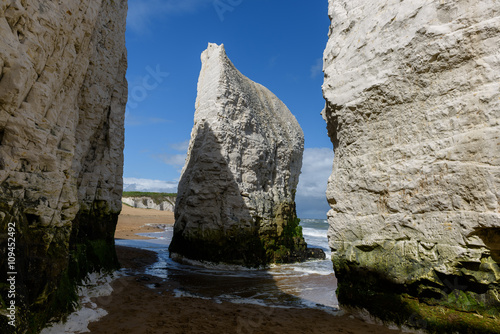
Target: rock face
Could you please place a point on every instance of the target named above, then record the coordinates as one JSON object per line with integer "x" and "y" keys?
{"x": 62, "y": 101}
{"x": 235, "y": 201}
{"x": 412, "y": 93}
{"x": 149, "y": 203}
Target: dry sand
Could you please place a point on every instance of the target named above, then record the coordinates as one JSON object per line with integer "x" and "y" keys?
{"x": 146, "y": 304}
{"x": 134, "y": 220}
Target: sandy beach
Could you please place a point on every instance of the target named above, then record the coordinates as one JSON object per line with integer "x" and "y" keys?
{"x": 142, "y": 303}
{"x": 134, "y": 220}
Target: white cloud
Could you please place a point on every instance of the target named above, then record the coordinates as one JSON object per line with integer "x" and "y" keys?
{"x": 141, "y": 12}
{"x": 135, "y": 184}
{"x": 311, "y": 191}
{"x": 183, "y": 146}
{"x": 175, "y": 160}
{"x": 317, "y": 68}
{"x": 316, "y": 168}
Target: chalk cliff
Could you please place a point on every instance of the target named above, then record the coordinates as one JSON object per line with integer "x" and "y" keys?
{"x": 145, "y": 202}
{"x": 235, "y": 201}
{"x": 62, "y": 101}
{"x": 412, "y": 93}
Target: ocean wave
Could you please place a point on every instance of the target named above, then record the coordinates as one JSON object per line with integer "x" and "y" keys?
{"x": 311, "y": 271}
{"x": 312, "y": 232}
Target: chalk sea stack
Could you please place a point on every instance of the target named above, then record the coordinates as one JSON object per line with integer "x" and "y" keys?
{"x": 62, "y": 104}
{"x": 412, "y": 93}
{"x": 235, "y": 201}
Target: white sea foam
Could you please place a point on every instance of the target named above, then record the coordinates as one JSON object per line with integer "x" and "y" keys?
{"x": 252, "y": 301}
{"x": 240, "y": 300}
{"x": 77, "y": 322}
{"x": 328, "y": 309}
{"x": 179, "y": 294}
{"x": 94, "y": 285}
{"x": 312, "y": 232}
{"x": 312, "y": 271}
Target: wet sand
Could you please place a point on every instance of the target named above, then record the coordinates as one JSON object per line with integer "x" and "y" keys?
{"x": 146, "y": 304}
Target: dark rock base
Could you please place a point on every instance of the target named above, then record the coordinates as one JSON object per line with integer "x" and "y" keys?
{"x": 250, "y": 250}
{"x": 456, "y": 310}
{"x": 48, "y": 272}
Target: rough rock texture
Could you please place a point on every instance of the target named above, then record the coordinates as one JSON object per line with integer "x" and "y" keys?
{"x": 412, "y": 93}
{"x": 149, "y": 203}
{"x": 235, "y": 201}
{"x": 62, "y": 100}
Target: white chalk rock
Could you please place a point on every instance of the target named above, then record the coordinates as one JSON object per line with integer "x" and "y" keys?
{"x": 236, "y": 195}
{"x": 412, "y": 93}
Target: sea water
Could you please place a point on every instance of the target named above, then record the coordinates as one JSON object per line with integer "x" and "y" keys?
{"x": 310, "y": 284}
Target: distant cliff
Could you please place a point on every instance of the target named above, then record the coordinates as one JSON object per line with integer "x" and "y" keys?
{"x": 155, "y": 201}
{"x": 62, "y": 101}
{"x": 412, "y": 93}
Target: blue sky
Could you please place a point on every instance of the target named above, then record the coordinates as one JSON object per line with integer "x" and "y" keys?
{"x": 278, "y": 44}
